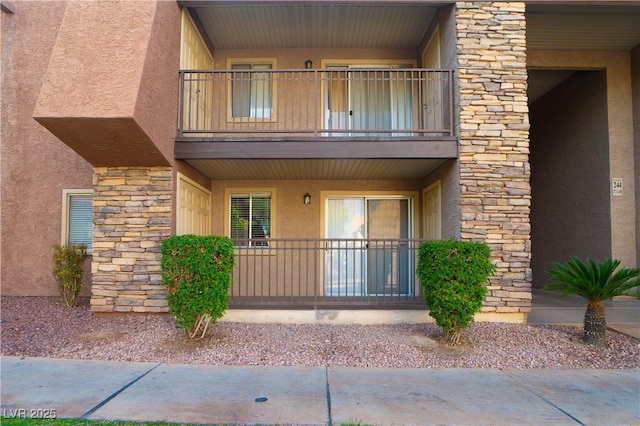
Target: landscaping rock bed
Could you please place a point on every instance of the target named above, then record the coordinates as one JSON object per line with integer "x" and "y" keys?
{"x": 42, "y": 327}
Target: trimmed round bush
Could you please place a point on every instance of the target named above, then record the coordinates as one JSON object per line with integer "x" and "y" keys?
{"x": 454, "y": 275}
{"x": 197, "y": 273}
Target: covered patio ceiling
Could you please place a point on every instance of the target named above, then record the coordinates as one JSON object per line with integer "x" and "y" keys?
{"x": 317, "y": 169}
{"x": 558, "y": 24}
{"x": 332, "y": 25}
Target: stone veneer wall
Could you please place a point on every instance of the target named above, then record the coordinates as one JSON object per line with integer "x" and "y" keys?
{"x": 495, "y": 193}
{"x": 132, "y": 215}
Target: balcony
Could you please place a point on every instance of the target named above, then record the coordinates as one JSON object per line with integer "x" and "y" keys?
{"x": 265, "y": 124}
{"x": 343, "y": 104}
{"x": 326, "y": 273}
{"x": 361, "y": 103}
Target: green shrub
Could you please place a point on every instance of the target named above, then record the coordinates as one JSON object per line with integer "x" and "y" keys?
{"x": 454, "y": 276}
{"x": 595, "y": 282}
{"x": 68, "y": 269}
{"x": 197, "y": 273}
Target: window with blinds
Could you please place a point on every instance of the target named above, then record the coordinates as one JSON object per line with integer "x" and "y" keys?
{"x": 251, "y": 92}
{"x": 250, "y": 220}
{"x": 78, "y": 220}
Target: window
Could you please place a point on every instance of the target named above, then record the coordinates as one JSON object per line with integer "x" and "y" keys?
{"x": 252, "y": 90}
{"x": 77, "y": 217}
{"x": 250, "y": 218}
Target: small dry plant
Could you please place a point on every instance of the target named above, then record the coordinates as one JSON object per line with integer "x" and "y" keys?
{"x": 68, "y": 269}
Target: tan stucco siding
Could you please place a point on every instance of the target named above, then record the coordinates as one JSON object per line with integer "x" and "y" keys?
{"x": 293, "y": 218}
{"x": 635, "y": 75}
{"x": 35, "y": 165}
{"x": 295, "y": 58}
{"x": 110, "y": 90}
{"x": 570, "y": 213}
{"x": 620, "y": 123}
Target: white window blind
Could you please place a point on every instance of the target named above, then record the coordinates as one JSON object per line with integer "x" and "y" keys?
{"x": 79, "y": 220}
{"x": 251, "y": 91}
{"x": 250, "y": 218}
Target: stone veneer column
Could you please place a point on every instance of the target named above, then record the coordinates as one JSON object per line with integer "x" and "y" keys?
{"x": 495, "y": 193}
{"x": 132, "y": 215}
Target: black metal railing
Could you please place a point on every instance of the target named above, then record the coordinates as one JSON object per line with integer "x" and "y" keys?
{"x": 317, "y": 273}
{"x": 380, "y": 103}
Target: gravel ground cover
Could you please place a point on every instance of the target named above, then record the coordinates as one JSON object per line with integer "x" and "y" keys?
{"x": 41, "y": 327}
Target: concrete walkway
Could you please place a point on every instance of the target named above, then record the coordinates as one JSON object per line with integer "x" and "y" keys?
{"x": 550, "y": 307}
{"x": 326, "y": 396}
{"x": 316, "y": 395}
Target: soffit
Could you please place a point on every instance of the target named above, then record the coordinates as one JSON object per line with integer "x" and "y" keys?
{"x": 340, "y": 169}
{"x": 542, "y": 81}
{"x": 308, "y": 25}
{"x": 583, "y": 27}
{"x": 255, "y": 25}
{"x": 577, "y": 27}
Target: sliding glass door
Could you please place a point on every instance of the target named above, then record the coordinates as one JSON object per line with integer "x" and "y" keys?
{"x": 363, "y": 102}
{"x": 367, "y": 251}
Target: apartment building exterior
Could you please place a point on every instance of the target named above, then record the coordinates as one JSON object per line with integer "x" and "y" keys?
{"x": 327, "y": 139}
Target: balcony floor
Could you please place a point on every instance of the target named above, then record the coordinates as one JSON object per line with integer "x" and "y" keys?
{"x": 317, "y": 148}
{"x": 335, "y": 158}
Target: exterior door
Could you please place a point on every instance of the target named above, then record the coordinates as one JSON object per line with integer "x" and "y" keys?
{"x": 432, "y": 93}
{"x": 367, "y": 252}
{"x": 431, "y": 199}
{"x": 195, "y": 56}
{"x": 194, "y": 208}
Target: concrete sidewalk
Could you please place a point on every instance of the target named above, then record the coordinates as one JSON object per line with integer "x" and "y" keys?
{"x": 316, "y": 395}
{"x": 549, "y": 307}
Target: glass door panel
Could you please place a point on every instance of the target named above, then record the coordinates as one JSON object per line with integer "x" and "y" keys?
{"x": 345, "y": 249}
{"x": 370, "y": 98}
{"x": 388, "y": 260}
{"x": 365, "y": 98}
{"x": 337, "y": 99}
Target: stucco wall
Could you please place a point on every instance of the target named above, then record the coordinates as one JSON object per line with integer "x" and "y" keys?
{"x": 293, "y": 219}
{"x": 35, "y": 165}
{"x": 295, "y": 58}
{"x": 570, "y": 213}
{"x": 110, "y": 90}
{"x": 635, "y": 76}
{"x": 449, "y": 173}
{"x": 620, "y": 122}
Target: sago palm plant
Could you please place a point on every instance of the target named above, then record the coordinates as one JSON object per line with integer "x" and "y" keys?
{"x": 596, "y": 282}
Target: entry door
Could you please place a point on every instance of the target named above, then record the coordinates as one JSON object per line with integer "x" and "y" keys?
{"x": 365, "y": 254}
{"x": 432, "y": 93}
{"x": 432, "y": 215}
{"x": 194, "y": 208}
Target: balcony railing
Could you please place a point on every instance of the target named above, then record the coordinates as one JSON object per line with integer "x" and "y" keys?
{"x": 353, "y": 103}
{"x": 326, "y": 273}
